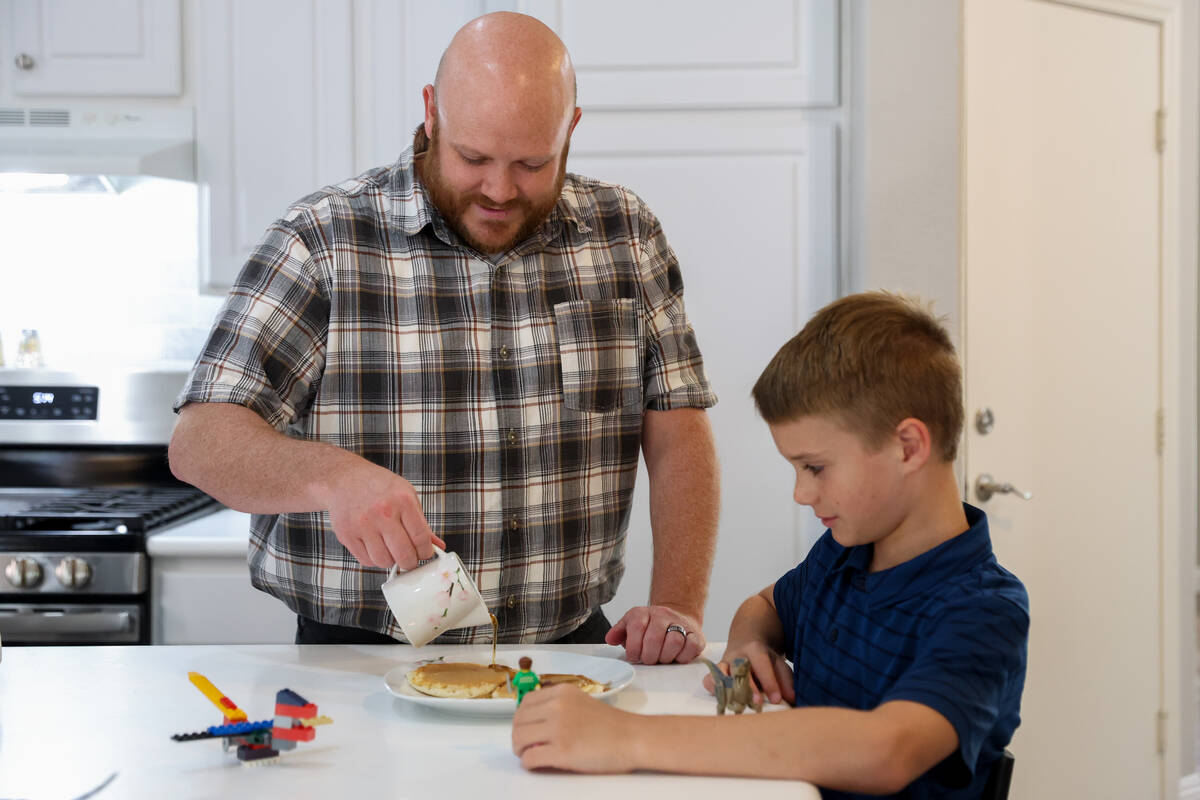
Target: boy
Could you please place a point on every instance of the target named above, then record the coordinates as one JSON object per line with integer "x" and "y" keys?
{"x": 908, "y": 639}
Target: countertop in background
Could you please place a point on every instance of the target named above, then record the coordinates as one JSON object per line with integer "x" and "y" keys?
{"x": 222, "y": 534}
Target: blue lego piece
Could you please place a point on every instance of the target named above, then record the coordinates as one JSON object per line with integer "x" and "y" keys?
{"x": 240, "y": 728}
{"x": 289, "y": 698}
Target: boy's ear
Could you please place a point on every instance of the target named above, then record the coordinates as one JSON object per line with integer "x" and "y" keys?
{"x": 916, "y": 444}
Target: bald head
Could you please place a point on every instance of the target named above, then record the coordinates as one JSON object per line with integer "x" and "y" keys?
{"x": 497, "y": 130}
{"x": 509, "y": 61}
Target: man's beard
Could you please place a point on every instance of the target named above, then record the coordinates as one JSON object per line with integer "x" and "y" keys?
{"x": 453, "y": 205}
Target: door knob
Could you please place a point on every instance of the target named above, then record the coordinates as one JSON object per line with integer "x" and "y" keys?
{"x": 24, "y": 61}
{"x": 986, "y": 486}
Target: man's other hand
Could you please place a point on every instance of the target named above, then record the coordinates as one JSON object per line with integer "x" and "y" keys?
{"x": 643, "y": 631}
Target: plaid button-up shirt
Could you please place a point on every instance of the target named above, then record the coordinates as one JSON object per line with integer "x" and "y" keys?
{"x": 508, "y": 390}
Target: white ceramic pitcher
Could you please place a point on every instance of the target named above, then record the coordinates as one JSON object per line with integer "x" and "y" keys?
{"x": 433, "y": 598}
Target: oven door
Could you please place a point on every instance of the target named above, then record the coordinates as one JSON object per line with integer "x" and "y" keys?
{"x": 68, "y": 624}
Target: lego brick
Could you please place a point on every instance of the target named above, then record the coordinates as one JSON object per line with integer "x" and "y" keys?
{"x": 252, "y": 753}
{"x": 240, "y": 728}
{"x": 299, "y": 712}
{"x": 295, "y": 734}
{"x": 289, "y": 698}
{"x": 310, "y": 723}
{"x": 283, "y": 744}
{"x": 217, "y": 698}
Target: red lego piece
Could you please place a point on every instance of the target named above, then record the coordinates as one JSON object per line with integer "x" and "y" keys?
{"x": 299, "y": 712}
{"x": 297, "y": 734}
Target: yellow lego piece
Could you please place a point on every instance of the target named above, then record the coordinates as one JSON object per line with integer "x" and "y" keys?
{"x": 217, "y": 698}
{"x": 314, "y": 721}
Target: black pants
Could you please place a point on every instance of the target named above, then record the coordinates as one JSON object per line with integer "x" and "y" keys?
{"x": 310, "y": 631}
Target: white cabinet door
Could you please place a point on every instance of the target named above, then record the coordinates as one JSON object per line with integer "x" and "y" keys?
{"x": 698, "y": 53}
{"x": 750, "y": 211}
{"x": 209, "y": 600}
{"x": 95, "y": 47}
{"x": 274, "y": 118}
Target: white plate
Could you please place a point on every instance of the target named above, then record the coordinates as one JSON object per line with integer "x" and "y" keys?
{"x": 617, "y": 674}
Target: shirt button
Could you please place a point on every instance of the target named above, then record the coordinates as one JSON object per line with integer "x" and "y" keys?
{"x": 860, "y": 582}
{"x": 504, "y": 351}
{"x": 512, "y": 436}
{"x": 833, "y": 634}
{"x": 514, "y": 523}
{"x": 511, "y": 602}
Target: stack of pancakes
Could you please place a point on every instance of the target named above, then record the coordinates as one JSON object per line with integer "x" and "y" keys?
{"x": 465, "y": 680}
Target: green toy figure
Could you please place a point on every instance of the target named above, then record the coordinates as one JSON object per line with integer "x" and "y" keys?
{"x": 526, "y": 680}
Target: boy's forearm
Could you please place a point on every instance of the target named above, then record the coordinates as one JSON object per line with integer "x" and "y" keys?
{"x": 757, "y": 621}
{"x": 834, "y": 748}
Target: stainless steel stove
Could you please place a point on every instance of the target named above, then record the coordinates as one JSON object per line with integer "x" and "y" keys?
{"x": 83, "y": 481}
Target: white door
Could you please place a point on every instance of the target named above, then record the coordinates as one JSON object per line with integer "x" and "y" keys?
{"x": 1063, "y": 344}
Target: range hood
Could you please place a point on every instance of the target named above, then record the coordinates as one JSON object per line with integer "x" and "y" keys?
{"x": 99, "y": 141}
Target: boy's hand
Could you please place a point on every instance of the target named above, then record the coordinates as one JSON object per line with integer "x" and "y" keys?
{"x": 562, "y": 728}
{"x": 770, "y": 675}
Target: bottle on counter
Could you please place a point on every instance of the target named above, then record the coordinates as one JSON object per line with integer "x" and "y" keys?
{"x": 29, "y": 351}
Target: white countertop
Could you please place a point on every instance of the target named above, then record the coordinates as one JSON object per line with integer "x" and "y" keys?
{"x": 70, "y": 717}
{"x": 223, "y": 534}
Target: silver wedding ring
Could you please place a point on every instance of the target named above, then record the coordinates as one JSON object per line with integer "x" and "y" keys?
{"x": 677, "y": 628}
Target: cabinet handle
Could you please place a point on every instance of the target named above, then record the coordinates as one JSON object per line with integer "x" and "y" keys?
{"x": 24, "y": 61}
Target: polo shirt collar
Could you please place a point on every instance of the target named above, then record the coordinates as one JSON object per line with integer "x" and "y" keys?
{"x": 918, "y": 575}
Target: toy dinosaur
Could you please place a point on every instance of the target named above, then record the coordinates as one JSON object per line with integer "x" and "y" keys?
{"x": 733, "y": 690}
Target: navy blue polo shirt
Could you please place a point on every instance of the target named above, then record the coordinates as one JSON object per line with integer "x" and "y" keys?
{"x": 947, "y": 629}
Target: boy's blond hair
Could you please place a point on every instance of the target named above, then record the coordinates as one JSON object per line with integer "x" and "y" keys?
{"x": 869, "y": 360}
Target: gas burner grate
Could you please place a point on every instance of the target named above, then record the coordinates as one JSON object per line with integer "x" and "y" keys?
{"x": 139, "y": 510}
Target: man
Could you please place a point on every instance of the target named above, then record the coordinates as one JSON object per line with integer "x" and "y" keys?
{"x": 467, "y": 349}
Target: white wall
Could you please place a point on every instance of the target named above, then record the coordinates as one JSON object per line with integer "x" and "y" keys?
{"x": 904, "y": 152}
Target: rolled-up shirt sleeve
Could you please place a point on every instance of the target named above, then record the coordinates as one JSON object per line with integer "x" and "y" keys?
{"x": 266, "y": 349}
{"x": 674, "y": 369}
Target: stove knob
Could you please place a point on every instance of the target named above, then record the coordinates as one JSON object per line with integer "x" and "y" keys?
{"x": 23, "y": 573}
{"x": 73, "y": 573}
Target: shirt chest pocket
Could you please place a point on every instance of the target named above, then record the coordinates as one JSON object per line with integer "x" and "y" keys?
{"x": 599, "y": 347}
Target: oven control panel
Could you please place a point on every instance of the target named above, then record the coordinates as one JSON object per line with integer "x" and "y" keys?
{"x": 49, "y": 403}
{"x": 75, "y": 573}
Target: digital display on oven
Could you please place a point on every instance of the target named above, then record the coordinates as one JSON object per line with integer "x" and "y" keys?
{"x": 48, "y": 403}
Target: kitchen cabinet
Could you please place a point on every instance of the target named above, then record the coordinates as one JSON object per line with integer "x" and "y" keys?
{"x": 200, "y": 587}
{"x": 696, "y": 54}
{"x": 274, "y": 118}
{"x": 291, "y": 97}
{"x": 95, "y": 47}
